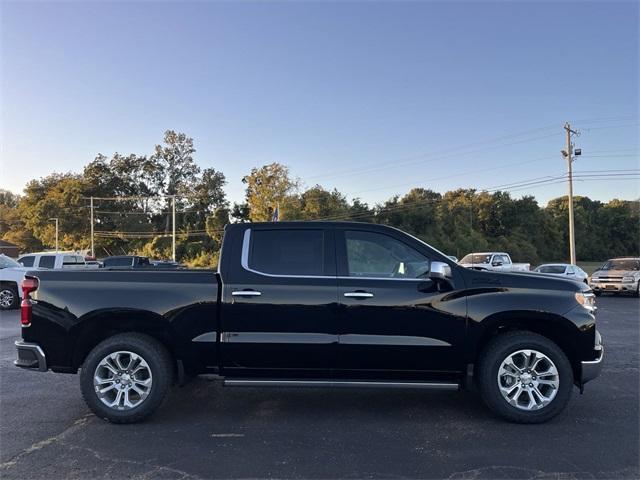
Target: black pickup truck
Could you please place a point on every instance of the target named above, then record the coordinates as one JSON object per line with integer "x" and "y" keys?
{"x": 323, "y": 304}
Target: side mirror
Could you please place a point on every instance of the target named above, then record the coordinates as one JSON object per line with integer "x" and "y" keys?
{"x": 497, "y": 264}
{"x": 440, "y": 270}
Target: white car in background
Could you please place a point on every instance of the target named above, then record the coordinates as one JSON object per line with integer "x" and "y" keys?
{"x": 53, "y": 260}
{"x": 563, "y": 270}
{"x": 11, "y": 276}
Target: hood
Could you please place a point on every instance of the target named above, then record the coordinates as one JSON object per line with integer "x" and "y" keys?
{"x": 615, "y": 273}
{"x": 480, "y": 278}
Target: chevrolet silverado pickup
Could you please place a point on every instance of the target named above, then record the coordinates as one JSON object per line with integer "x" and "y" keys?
{"x": 314, "y": 304}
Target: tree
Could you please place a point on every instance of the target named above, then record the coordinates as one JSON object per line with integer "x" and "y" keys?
{"x": 270, "y": 186}
{"x": 59, "y": 196}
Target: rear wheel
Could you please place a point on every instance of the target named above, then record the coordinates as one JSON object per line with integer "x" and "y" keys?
{"x": 9, "y": 297}
{"x": 525, "y": 377}
{"x": 126, "y": 377}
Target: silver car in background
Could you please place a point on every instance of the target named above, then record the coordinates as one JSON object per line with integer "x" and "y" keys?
{"x": 563, "y": 270}
{"x": 618, "y": 275}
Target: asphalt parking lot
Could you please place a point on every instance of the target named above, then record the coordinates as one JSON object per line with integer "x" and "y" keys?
{"x": 207, "y": 431}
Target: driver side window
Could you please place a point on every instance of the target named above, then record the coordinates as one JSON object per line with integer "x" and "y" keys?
{"x": 377, "y": 255}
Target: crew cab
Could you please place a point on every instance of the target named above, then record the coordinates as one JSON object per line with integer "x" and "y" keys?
{"x": 495, "y": 261}
{"x": 53, "y": 260}
{"x": 314, "y": 304}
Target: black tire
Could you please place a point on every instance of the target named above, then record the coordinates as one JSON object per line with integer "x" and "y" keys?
{"x": 160, "y": 365}
{"x": 489, "y": 364}
{"x": 9, "y": 292}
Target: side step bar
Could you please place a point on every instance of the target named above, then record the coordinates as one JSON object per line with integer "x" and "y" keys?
{"x": 338, "y": 384}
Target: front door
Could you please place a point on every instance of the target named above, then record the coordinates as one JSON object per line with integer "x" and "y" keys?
{"x": 279, "y": 303}
{"x": 394, "y": 321}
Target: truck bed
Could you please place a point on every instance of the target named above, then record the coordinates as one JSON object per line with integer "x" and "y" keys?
{"x": 185, "y": 300}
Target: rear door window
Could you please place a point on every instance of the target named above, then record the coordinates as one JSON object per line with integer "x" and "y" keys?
{"x": 47, "y": 261}
{"x": 287, "y": 252}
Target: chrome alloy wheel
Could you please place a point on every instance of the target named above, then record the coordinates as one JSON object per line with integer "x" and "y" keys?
{"x": 528, "y": 380}
{"x": 122, "y": 380}
{"x": 7, "y": 298}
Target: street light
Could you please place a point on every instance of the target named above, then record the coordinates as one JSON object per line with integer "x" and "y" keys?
{"x": 56, "y": 220}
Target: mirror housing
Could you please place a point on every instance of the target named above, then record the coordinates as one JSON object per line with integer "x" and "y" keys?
{"x": 440, "y": 270}
{"x": 497, "y": 264}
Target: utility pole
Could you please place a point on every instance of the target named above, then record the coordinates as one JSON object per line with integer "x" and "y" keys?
{"x": 93, "y": 251}
{"x": 568, "y": 155}
{"x": 173, "y": 214}
{"x": 56, "y": 220}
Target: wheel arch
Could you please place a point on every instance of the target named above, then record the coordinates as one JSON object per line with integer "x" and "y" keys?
{"x": 556, "y": 328}
{"x": 100, "y": 325}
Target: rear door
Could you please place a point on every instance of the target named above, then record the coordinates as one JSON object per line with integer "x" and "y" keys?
{"x": 46, "y": 261}
{"x": 279, "y": 302}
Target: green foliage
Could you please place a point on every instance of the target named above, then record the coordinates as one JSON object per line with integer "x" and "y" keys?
{"x": 203, "y": 260}
{"x": 456, "y": 222}
{"x": 268, "y": 187}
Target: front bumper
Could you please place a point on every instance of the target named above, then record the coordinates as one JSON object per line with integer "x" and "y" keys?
{"x": 614, "y": 286}
{"x": 30, "y": 355}
{"x": 591, "y": 369}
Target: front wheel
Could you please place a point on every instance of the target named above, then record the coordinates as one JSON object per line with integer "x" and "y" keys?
{"x": 125, "y": 378}
{"x": 525, "y": 377}
{"x": 9, "y": 297}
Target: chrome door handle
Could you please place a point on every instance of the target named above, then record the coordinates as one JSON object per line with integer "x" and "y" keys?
{"x": 358, "y": 294}
{"x": 246, "y": 293}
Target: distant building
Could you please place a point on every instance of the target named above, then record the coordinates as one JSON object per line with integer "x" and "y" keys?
{"x": 9, "y": 249}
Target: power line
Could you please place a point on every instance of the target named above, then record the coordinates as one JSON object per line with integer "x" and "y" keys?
{"x": 420, "y": 159}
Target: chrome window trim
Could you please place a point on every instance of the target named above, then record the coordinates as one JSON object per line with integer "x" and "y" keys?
{"x": 244, "y": 262}
{"x": 386, "y": 278}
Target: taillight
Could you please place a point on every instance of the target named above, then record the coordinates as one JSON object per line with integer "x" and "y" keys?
{"x": 25, "y": 312}
{"x": 29, "y": 285}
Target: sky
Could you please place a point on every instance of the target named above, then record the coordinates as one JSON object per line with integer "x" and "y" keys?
{"x": 371, "y": 98}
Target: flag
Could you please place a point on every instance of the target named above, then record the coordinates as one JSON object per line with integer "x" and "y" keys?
{"x": 276, "y": 214}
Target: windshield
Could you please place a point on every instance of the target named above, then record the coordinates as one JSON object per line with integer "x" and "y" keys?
{"x": 623, "y": 264}
{"x": 476, "y": 258}
{"x": 6, "y": 262}
{"x": 551, "y": 269}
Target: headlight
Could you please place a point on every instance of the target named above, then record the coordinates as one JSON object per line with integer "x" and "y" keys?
{"x": 587, "y": 300}
{"x": 628, "y": 279}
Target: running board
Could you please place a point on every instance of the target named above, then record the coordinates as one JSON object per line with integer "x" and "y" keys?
{"x": 338, "y": 384}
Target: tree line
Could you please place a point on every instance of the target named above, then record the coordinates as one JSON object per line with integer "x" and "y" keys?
{"x": 135, "y": 195}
